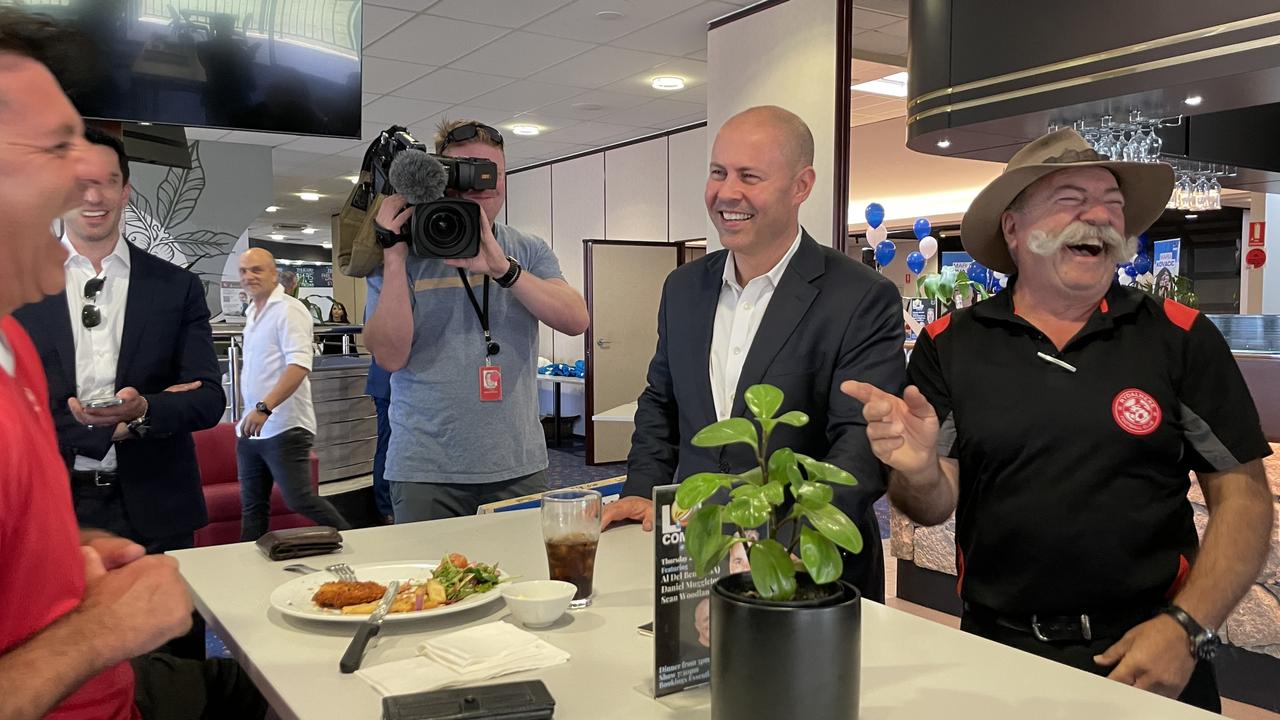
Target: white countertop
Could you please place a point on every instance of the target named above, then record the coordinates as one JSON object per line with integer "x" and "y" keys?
{"x": 911, "y": 668}
{"x": 622, "y": 413}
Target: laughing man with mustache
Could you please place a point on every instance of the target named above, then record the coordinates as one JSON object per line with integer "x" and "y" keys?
{"x": 1060, "y": 420}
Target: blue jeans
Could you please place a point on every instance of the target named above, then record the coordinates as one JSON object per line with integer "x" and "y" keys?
{"x": 285, "y": 459}
{"x": 381, "y": 487}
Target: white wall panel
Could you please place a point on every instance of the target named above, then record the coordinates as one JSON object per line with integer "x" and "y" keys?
{"x": 528, "y": 208}
{"x": 577, "y": 213}
{"x": 687, "y": 180}
{"x": 635, "y": 191}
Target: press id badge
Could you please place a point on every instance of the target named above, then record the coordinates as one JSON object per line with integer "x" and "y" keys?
{"x": 490, "y": 383}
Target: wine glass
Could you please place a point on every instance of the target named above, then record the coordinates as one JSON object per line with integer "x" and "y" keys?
{"x": 1215, "y": 194}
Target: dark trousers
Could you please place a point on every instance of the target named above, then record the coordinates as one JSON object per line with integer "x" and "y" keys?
{"x": 284, "y": 459}
{"x": 436, "y": 501}
{"x": 381, "y": 487}
{"x": 170, "y": 688}
{"x": 1201, "y": 690}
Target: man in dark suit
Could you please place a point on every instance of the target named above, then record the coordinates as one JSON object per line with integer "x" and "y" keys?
{"x": 773, "y": 307}
{"x": 132, "y": 372}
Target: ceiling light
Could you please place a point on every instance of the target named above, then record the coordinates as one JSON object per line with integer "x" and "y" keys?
{"x": 309, "y": 231}
{"x": 145, "y": 124}
{"x": 944, "y": 143}
{"x": 608, "y": 15}
{"x": 353, "y": 178}
{"x": 668, "y": 82}
{"x": 276, "y": 236}
{"x": 525, "y": 129}
{"x": 272, "y": 208}
{"x": 894, "y": 85}
{"x": 1193, "y": 100}
{"x": 1192, "y": 216}
{"x": 309, "y": 196}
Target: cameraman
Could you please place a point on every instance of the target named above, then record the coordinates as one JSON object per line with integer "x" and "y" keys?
{"x": 457, "y": 441}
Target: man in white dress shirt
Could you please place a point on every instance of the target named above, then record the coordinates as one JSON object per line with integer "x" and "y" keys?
{"x": 277, "y": 433}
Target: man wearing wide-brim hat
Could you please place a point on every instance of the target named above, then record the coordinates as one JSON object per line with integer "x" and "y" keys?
{"x": 1060, "y": 420}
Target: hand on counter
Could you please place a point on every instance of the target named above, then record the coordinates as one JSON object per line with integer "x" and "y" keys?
{"x": 628, "y": 508}
{"x": 1155, "y": 656}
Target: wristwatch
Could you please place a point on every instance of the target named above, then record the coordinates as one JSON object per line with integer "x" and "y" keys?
{"x": 141, "y": 425}
{"x": 1204, "y": 642}
{"x": 262, "y": 408}
{"x": 385, "y": 237}
{"x": 512, "y": 274}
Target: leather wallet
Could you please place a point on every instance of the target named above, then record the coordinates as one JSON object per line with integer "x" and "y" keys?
{"x": 526, "y": 700}
{"x": 300, "y": 542}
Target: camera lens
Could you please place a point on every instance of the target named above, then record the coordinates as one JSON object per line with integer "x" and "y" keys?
{"x": 443, "y": 228}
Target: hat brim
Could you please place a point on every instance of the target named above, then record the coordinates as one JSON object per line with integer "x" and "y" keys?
{"x": 1146, "y": 188}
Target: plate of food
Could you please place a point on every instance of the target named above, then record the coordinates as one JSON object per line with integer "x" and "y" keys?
{"x": 426, "y": 590}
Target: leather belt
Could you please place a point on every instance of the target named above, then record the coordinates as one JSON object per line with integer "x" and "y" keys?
{"x": 99, "y": 478}
{"x": 1058, "y": 627}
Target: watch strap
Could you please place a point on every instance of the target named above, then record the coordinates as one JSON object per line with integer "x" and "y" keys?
{"x": 262, "y": 408}
{"x": 385, "y": 237}
{"x": 512, "y": 274}
{"x": 1204, "y": 642}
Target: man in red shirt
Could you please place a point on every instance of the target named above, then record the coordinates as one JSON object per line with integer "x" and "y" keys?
{"x": 75, "y": 607}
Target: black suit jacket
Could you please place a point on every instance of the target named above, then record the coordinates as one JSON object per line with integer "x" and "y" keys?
{"x": 831, "y": 319}
{"x": 166, "y": 340}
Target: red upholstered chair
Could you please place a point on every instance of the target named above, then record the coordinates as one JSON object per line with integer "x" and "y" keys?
{"x": 216, "y": 455}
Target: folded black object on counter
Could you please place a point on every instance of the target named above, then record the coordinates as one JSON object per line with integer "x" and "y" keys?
{"x": 526, "y": 700}
{"x": 300, "y": 542}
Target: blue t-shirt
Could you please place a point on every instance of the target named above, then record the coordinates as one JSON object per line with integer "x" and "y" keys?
{"x": 440, "y": 430}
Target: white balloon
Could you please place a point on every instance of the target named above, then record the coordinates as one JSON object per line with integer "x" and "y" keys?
{"x": 876, "y": 234}
{"x": 928, "y": 246}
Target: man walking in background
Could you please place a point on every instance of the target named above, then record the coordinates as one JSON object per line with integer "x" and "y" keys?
{"x": 277, "y": 433}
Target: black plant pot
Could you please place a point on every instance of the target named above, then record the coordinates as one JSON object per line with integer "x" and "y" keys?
{"x": 784, "y": 660}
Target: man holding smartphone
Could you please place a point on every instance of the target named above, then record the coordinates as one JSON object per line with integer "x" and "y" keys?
{"x": 131, "y": 367}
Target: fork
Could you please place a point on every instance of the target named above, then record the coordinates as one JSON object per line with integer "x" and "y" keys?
{"x": 343, "y": 571}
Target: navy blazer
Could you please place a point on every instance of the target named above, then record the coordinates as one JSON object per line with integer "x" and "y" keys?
{"x": 831, "y": 319}
{"x": 166, "y": 340}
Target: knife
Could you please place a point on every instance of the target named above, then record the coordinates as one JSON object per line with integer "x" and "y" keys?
{"x": 355, "y": 651}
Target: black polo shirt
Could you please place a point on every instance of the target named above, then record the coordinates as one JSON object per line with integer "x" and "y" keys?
{"x": 1073, "y": 483}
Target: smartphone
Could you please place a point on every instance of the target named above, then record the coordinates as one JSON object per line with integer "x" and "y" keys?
{"x": 105, "y": 403}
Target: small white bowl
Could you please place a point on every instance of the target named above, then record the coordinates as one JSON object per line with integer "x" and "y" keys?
{"x": 538, "y": 603}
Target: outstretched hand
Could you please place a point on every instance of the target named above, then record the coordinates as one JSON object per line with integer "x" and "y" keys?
{"x": 903, "y": 430}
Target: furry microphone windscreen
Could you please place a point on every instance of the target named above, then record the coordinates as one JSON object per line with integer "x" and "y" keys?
{"x": 417, "y": 176}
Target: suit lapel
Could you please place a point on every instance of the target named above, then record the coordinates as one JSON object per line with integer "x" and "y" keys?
{"x": 791, "y": 300}
{"x": 704, "y": 319}
{"x": 135, "y": 312}
{"x": 64, "y": 342}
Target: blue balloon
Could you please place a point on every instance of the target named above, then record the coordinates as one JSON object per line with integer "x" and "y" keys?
{"x": 922, "y": 228}
{"x": 1142, "y": 264}
{"x": 915, "y": 262}
{"x": 1143, "y": 242}
{"x": 885, "y": 250}
{"x": 1129, "y": 270}
{"x": 874, "y": 214}
{"x": 978, "y": 274}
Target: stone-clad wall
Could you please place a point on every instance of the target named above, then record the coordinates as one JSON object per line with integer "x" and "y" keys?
{"x": 1255, "y": 624}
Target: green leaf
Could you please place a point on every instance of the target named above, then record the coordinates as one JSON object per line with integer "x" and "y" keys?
{"x": 836, "y": 527}
{"x": 772, "y": 571}
{"x": 782, "y": 466}
{"x": 751, "y": 477}
{"x": 727, "y": 432}
{"x": 746, "y": 490}
{"x": 794, "y": 418}
{"x": 820, "y": 556}
{"x": 697, "y": 488}
{"x": 763, "y": 400}
{"x": 749, "y": 510}
{"x": 706, "y": 543}
{"x": 813, "y": 495}
{"x": 826, "y": 472}
{"x": 773, "y": 492}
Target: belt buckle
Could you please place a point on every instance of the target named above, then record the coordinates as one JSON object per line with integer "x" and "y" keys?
{"x": 97, "y": 479}
{"x": 1035, "y": 629}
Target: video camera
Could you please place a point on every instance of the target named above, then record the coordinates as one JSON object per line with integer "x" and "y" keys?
{"x": 441, "y": 227}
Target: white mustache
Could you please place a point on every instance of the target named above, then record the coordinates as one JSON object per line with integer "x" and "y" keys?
{"x": 1117, "y": 247}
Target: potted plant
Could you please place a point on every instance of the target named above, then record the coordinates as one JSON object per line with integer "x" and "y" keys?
{"x": 942, "y": 286}
{"x": 793, "y": 612}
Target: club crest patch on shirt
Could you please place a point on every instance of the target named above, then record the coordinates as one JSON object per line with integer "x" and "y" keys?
{"x": 1136, "y": 412}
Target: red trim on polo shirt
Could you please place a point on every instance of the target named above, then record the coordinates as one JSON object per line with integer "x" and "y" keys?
{"x": 1180, "y": 314}
{"x": 937, "y": 327}
{"x": 959, "y": 570}
{"x": 1103, "y": 306}
{"x": 1184, "y": 568}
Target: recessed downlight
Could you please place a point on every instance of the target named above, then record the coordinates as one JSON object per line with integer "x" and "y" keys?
{"x": 272, "y": 208}
{"x": 668, "y": 82}
{"x": 353, "y": 178}
{"x": 525, "y": 130}
{"x": 944, "y": 143}
{"x": 610, "y": 15}
{"x": 1193, "y": 100}
{"x": 276, "y": 236}
{"x": 309, "y": 196}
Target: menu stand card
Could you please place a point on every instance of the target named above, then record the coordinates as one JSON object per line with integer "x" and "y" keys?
{"x": 681, "y": 605}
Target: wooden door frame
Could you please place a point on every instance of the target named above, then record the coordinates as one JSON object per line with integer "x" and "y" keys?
{"x": 588, "y": 284}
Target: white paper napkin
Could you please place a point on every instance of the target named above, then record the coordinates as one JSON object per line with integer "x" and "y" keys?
{"x": 465, "y": 657}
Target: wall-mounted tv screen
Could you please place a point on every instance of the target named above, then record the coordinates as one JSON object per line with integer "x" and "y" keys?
{"x": 286, "y": 66}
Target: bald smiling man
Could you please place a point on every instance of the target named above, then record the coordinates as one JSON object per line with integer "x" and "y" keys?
{"x": 773, "y": 307}
{"x": 277, "y": 433}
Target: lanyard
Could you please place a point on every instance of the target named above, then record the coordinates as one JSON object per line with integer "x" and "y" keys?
{"x": 491, "y": 348}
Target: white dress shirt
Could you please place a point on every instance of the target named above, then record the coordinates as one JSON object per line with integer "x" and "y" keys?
{"x": 275, "y": 338}
{"x": 6, "y": 355}
{"x": 97, "y": 348}
{"x": 738, "y": 316}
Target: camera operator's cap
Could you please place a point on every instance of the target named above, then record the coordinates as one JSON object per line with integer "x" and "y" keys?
{"x": 1146, "y": 188}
